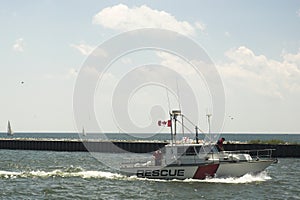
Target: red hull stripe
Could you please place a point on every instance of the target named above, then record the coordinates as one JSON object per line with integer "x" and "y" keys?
{"x": 206, "y": 170}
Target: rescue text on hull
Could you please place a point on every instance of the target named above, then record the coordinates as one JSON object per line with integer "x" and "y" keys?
{"x": 196, "y": 160}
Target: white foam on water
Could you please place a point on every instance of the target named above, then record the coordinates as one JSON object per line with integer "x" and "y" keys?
{"x": 7, "y": 174}
{"x": 61, "y": 173}
{"x": 133, "y": 178}
{"x": 247, "y": 178}
{"x": 100, "y": 174}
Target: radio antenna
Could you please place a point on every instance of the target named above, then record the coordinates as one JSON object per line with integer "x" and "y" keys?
{"x": 168, "y": 98}
{"x": 182, "y": 126}
{"x": 178, "y": 94}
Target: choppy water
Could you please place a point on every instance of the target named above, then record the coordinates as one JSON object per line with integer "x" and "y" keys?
{"x": 78, "y": 175}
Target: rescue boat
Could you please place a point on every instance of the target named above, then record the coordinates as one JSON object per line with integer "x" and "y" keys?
{"x": 196, "y": 159}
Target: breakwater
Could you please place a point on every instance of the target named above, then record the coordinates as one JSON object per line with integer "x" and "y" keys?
{"x": 281, "y": 150}
{"x": 81, "y": 145}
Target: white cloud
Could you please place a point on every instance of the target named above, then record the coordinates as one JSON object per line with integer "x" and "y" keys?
{"x": 246, "y": 58}
{"x": 19, "y": 45}
{"x": 122, "y": 18}
{"x": 87, "y": 50}
{"x": 227, "y": 34}
{"x": 257, "y": 73}
{"x": 83, "y": 48}
{"x": 200, "y": 26}
{"x": 69, "y": 74}
{"x": 292, "y": 58}
{"x": 298, "y": 12}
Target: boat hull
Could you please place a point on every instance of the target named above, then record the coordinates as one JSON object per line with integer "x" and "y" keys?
{"x": 222, "y": 169}
{"x": 231, "y": 169}
{"x": 174, "y": 172}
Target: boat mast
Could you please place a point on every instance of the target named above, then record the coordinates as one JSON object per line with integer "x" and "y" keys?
{"x": 9, "y": 130}
{"x": 197, "y": 139}
{"x": 83, "y": 132}
{"x": 171, "y": 128}
{"x": 170, "y": 115}
{"x": 175, "y": 127}
{"x": 175, "y": 114}
{"x": 209, "y": 128}
{"x": 182, "y": 125}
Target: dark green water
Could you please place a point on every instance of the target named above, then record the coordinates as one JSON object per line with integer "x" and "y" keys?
{"x": 80, "y": 175}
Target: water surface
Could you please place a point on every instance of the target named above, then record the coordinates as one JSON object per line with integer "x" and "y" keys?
{"x": 78, "y": 175}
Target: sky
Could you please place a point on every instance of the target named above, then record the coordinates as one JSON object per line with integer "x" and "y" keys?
{"x": 254, "y": 45}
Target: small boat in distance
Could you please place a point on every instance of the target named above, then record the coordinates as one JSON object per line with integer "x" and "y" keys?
{"x": 83, "y": 132}
{"x": 9, "y": 129}
{"x": 196, "y": 159}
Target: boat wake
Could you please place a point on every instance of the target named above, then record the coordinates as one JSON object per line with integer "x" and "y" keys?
{"x": 247, "y": 178}
{"x": 79, "y": 172}
{"x": 61, "y": 173}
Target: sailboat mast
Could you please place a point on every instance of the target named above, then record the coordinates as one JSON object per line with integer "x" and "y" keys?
{"x": 83, "y": 131}
{"x": 209, "y": 128}
{"x": 9, "y": 130}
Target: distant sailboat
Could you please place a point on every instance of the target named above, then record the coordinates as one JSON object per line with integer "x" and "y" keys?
{"x": 9, "y": 130}
{"x": 83, "y": 132}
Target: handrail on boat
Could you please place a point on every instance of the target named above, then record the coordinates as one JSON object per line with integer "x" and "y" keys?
{"x": 266, "y": 153}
